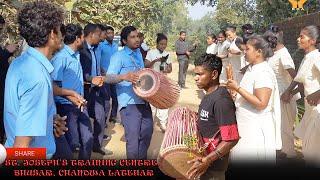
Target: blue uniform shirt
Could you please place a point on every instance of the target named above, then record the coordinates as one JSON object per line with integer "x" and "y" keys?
{"x": 67, "y": 71}
{"x": 107, "y": 50}
{"x": 29, "y": 106}
{"x": 122, "y": 62}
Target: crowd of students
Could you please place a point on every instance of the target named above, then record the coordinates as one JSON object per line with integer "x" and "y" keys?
{"x": 258, "y": 127}
{"x": 69, "y": 81}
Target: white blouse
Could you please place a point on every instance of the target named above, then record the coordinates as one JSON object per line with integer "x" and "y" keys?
{"x": 256, "y": 76}
{"x": 155, "y": 54}
{"x": 211, "y": 49}
{"x": 309, "y": 72}
{"x": 222, "y": 48}
{"x": 280, "y": 62}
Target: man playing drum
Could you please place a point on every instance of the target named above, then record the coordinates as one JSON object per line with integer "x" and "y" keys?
{"x": 217, "y": 121}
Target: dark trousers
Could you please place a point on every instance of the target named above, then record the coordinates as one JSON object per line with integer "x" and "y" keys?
{"x": 114, "y": 107}
{"x": 63, "y": 149}
{"x": 98, "y": 108}
{"x": 79, "y": 132}
{"x": 183, "y": 67}
{"x": 138, "y": 125}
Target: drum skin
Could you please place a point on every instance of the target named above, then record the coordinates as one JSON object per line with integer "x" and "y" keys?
{"x": 156, "y": 88}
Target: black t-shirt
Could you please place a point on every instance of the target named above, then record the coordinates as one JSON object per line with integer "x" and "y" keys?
{"x": 217, "y": 110}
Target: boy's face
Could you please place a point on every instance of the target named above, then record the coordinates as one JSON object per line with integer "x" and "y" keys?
{"x": 221, "y": 38}
{"x": 110, "y": 35}
{"x": 231, "y": 35}
{"x": 183, "y": 36}
{"x": 103, "y": 35}
{"x": 132, "y": 41}
{"x": 96, "y": 36}
{"x": 204, "y": 78}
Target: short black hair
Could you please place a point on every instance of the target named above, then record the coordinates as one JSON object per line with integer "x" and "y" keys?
{"x": 181, "y": 32}
{"x": 140, "y": 34}
{"x": 109, "y": 28}
{"x": 102, "y": 27}
{"x": 161, "y": 36}
{"x": 239, "y": 41}
{"x": 37, "y": 20}
{"x": 247, "y": 29}
{"x": 2, "y": 21}
{"x": 125, "y": 33}
{"x": 73, "y": 31}
{"x": 90, "y": 28}
{"x": 231, "y": 28}
{"x": 210, "y": 62}
{"x": 213, "y": 36}
{"x": 223, "y": 33}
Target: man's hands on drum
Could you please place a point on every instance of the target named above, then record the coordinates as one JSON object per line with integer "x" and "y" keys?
{"x": 131, "y": 77}
{"x": 199, "y": 166}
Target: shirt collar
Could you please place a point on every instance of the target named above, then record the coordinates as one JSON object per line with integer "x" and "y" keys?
{"x": 37, "y": 55}
{"x": 257, "y": 66}
{"x": 130, "y": 51}
{"x": 89, "y": 46}
{"x": 312, "y": 53}
{"x": 70, "y": 51}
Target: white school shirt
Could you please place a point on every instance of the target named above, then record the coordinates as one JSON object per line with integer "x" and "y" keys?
{"x": 309, "y": 72}
{"x": 211, "y": 48}
{"x": 155, "y": 54}
{"x": 222, "y": 48}
{"x": 280, "y": 62}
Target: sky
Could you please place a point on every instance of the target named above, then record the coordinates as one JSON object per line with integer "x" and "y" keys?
{"x": 198, "y": 11}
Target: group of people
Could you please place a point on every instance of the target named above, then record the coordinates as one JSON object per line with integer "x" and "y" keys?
{"x": 57, "y": 91}
{"x": 68, "y": 74}
{"x": 258, "y": 126}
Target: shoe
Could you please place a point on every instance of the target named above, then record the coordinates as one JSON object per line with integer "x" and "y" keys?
{"x": 99, "y": 151}
{"x": 103, "y": 152}
{"x": 113, "y": 120}
{"x": 106, "y": 138}
{"x": 163, "y": 128}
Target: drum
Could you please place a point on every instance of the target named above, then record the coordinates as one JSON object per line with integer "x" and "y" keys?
{"x": 182, "y": 142}
{"x": 156, "y": 88}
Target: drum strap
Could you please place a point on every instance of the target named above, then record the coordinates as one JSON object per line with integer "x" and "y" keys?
{"x": 134, "y": 62}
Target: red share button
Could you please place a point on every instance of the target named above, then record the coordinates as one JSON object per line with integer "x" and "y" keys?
{"x": 26, "y": 153}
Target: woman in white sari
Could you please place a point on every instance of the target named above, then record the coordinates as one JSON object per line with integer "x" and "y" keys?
{"x": 309, "y": 75}
{"x": 283, "y": 66}
{"x": 258, "y": 106}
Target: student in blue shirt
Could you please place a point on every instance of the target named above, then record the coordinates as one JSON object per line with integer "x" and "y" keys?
{"x": 111, "y": 47}
{"x": 100, "y": 52}
{"x": 29, "y": 106}
{"x": 95, "y": 94}
{"x": 136, "y": 115}
{"x": 68, "y": 74}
